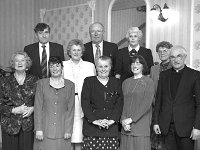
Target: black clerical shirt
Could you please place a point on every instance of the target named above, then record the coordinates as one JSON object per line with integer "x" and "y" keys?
{"x": 175, "y": 80}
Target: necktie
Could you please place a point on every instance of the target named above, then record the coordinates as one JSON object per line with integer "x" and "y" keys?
{"x": 132, "y": 52}
{"x": 44, "y": 62}
{"x": 98, "y": 52}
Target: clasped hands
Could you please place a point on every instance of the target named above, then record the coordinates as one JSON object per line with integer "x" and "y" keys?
{"x": 126, "y": 124}
{"x": 40, "y": 136}
{"x": 103, "y": 123}
{"x": 24, "y": 110}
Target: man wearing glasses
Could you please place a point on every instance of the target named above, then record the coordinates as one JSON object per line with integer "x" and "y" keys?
{"x": 98, "y": 47}
{"x": 177, "y": 107}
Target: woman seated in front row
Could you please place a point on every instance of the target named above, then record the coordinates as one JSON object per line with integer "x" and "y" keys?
{"x": 102, "y": 103}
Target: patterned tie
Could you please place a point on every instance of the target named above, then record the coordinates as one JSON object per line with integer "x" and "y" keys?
{"x": 132, "y": 52}
{"x": 44, "y": 62}
{"x": 98, "y": 52}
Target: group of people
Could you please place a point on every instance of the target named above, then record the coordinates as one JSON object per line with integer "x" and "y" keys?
{"x": 101, "y": 98}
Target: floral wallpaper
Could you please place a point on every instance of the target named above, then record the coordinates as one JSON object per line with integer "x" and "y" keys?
{"x": 196, "y": 36}
{"x": 69, "y": 23}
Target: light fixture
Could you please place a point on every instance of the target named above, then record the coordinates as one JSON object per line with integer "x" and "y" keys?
{"x": 157, "y": 7}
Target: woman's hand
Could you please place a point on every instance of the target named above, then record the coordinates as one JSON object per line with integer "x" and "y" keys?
{"x": 28, "y": 112}
{"x": 67, "y": 136}
{"x": 127, "y": 128}
{"x": 39, "y": 135}
{"x": 127, "y": 121}
{"x": 20, "y": 109}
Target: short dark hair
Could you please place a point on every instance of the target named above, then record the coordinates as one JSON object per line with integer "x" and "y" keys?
{"x": 55, "y": 60}
{"x": 142, "y": 61}
{"x": 163, "y": 44}
{"x": 41, "y": 27}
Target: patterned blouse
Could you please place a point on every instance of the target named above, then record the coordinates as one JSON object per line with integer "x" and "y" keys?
{"x": 13, "y": 95}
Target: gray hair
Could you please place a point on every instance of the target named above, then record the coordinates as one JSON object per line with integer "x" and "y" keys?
{"x": 135, "y": 30}
{"x": 179, "y": 47}
{"x": 28, "y": 59}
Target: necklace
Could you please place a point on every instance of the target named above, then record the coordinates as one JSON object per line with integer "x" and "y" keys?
{"x": 57, "y": 83}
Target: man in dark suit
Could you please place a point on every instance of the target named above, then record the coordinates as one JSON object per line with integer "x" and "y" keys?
{"x": 122, "y": 68}
{"x": 35, "y": 50}
{"x": 177, "y": 108}
{"x": 96, "y": 31}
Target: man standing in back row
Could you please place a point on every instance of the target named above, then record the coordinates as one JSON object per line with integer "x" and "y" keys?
{"x": 98, "y": 47}
{"x": 177, "y": 108}
{"x": 41, "y": 51}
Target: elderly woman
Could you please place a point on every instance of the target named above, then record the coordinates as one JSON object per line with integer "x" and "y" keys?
{"x": 54, "y": 110}
{"x": 102, "y": 103}
{"x": 138, "y": 94}
{"x": 122, "y": 67}
{"x": 16, "y": 105}
{"x": 77, "y": 70}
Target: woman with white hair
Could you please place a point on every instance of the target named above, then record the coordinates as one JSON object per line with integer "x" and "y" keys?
{"x": 122, "y": 67}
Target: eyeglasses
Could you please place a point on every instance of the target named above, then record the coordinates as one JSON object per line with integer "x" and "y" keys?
{"x": 178, "y": 57}
{"x": 97, "y": 31}
{"x": 162, "y": 51}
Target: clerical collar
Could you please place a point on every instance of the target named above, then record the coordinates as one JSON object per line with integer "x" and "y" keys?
{"x": 178, "y": 71}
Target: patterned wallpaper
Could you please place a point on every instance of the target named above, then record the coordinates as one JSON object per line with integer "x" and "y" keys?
{"x": 196, "y": 35}
{"x": 68, "y": 23}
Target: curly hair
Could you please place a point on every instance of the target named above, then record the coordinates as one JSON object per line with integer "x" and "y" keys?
{"x": 135, "y": 30}
{"x": 28, "y": 59}
{"x": 75, "y": 42}
{"x": 163, "y": 44}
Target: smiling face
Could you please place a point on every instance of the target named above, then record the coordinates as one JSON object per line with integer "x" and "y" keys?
{"x": 163, "y": 54}
{"x": 43, "y": 36}
{"x": 96, "y": 33}
{"x": 133, "y": 39}
{"x": 103, "y": 68}
{"x": 76, "y": 52}
{"x": 136, "y": 67}
{"x": 177, "y": 59}
{"x": 20, "y": 63}
{"x": 55, "y": 70}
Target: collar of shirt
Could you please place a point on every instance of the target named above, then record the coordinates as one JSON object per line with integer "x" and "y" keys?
{"x": 81, "y": 60}
{"x": 180, "y": 71}
{"x": 136, "y": 48}
{"x": 95, "y": 48}
{"x": 41, "y": 50}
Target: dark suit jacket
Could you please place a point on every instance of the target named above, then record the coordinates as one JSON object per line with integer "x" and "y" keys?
{"x": 185, "y": 108}
{"x": 109, "y": 49}
{"x": 33, "y": 52}
{"x": 122, "y": 66}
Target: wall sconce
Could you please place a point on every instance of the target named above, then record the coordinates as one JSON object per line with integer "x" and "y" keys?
{"x": 156, "y": 7}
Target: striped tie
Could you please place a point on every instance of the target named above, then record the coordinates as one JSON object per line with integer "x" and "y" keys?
{"x": 44, "y": 62}
{"x": 98, "y": 52}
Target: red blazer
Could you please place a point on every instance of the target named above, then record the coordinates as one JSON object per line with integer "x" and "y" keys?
{"x": 33, "y": 52}
{"x": 185, "y": 108}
